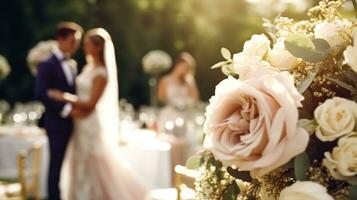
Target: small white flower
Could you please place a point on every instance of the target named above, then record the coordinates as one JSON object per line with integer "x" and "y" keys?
{"x": 342, "y": 162}
{"x": 258, "y": 45}
{"x": 330, "y": 31}
{"x": 306, "y": 190}
{"x": 335, "y": 117}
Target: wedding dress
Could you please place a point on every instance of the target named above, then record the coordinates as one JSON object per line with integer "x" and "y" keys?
{"x": 93, "y": 168}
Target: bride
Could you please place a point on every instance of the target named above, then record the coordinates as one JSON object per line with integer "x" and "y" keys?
{"x": 92, "y": 168}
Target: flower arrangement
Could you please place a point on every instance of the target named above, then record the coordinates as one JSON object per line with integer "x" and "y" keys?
{"x": 283, "y": 124}
{"x": 156, "y": 62}
{"x": 4, "y": 67}
{"x": 39, "y": 53}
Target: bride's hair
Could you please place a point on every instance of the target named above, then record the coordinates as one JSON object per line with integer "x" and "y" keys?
{"x": 98, "y": 41}
{"x": 97, "y": 37}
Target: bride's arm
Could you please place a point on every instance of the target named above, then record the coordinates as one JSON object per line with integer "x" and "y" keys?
{"x": 82, "y": 107}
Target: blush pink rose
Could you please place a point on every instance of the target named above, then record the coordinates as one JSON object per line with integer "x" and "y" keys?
{"x": 252, "y": 124}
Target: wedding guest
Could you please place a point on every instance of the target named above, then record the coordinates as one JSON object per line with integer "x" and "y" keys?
{"x": 178, "y": 91}
{"x": 179, "y": 88}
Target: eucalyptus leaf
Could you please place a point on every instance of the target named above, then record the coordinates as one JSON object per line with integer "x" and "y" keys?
{"x": 218, "y": 65}
{"x": 343, "y": 84}
{"x": 315, "y": 50}
{"x": 231, "y": 192}
{"x": 353, "y": 192}
{"x": 321, "y": 44}
{"x": 306, "y": 54}
{"x": 194, "y": 162}
{"x": 301, "y": 166}
{"x": 300, "y": 40}
{"x": 226, "y": 53}
{"x": 302, "y": 87}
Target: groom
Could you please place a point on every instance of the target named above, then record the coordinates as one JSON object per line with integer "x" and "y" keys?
{"x": 56, "y": 73}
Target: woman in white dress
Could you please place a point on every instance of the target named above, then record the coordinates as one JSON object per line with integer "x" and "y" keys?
{"x": 92, "y": 167}
{"x": 178, "y": 91}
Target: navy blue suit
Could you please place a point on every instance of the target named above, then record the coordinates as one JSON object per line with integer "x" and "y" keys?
{"x": 51, "y": 76}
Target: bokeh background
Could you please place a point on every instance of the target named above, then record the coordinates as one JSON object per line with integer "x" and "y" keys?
{"x": 200, "y": 27}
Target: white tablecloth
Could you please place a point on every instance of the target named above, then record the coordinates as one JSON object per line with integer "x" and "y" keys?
{"x": 148, "y": 157}
{"x": 15, "y": 139}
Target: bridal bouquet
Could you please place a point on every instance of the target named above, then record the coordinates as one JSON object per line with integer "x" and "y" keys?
{"x": 156, "y": 62}
{"x": 283, "y": 124}
{"x": 39, "y": 53}
{"x": 4, "y": 67}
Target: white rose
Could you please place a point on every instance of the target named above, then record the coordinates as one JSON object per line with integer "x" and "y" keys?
{"x": 281, "y": 58}
{"x": 329, "y": 31}
{"x": 351, "y": 52}
{"x": 258, "y": 45}
{"x": 306, "y": 190}
{"x": 335, "y": 117}
{"x": 342, "y": 162}
{"x": 250, "y": 66}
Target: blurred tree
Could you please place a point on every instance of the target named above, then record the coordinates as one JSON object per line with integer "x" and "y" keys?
{"x": 200, "y": 27}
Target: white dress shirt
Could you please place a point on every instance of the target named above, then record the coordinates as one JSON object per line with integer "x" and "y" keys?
{"x": 69, "y": 74}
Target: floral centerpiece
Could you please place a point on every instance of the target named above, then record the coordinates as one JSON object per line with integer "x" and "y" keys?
{"x": 4, "y": 67}
{"x": 39, "y": 53}
{"x": 283, "y": 124}
{"x": 154, "y": 63}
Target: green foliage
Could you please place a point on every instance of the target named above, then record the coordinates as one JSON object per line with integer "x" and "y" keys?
{"x": 353, "y": 192}
{"x": 231, "y": 192}
{"x": 137, "y": 26}
{"x": 310, "y": 50}
{"x": 301, "y": 166}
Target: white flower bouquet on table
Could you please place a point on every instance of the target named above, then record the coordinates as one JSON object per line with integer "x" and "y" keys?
{"x": 283, "y": 124}
{"x": 39, "y": 53}
{"x": 4, "y": 67}
{"x": 156, "y": 62}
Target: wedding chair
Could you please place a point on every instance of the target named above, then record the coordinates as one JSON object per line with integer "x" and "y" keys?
{"x": 28, "y": 182}
{"x": 182, "y": 190}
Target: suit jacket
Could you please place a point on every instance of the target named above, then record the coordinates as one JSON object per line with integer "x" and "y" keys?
{"x": 51, "y": 76}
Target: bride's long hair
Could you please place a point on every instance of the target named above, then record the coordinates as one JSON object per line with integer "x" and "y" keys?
{"x": 108, "y": 104}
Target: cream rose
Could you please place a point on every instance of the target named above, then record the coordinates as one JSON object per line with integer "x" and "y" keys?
{"x": 342, "y": 162}
{"x": 252, "y": 124}
{"x": 250, "y": 66}
{"x": 329, "y": 31}
{"x": 335, "y": 117}
{"x": 305, "y": 190}
{"x": 351, "y": 52}
{"x": 258, "y": 45}
{"x": 281, "y": 58}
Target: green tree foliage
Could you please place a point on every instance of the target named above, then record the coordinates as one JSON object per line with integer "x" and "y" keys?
{"x": 200, "y": 27}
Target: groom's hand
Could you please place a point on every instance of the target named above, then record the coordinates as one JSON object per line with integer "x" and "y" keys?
{"x": 55, "y": 94}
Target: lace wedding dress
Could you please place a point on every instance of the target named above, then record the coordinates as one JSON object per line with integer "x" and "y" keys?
{"x": 92, "y": 167}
